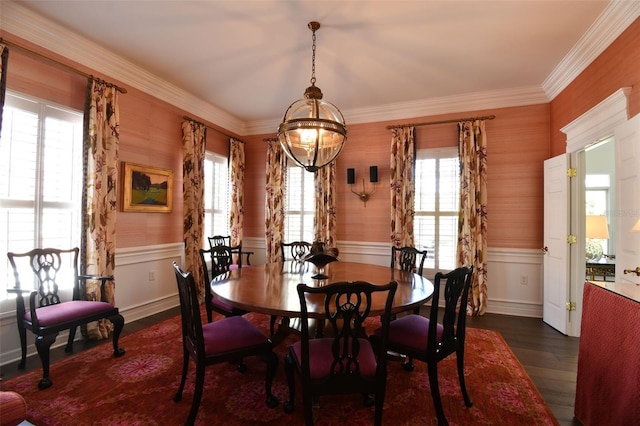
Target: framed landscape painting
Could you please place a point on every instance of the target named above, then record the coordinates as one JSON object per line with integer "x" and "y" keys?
{"x": 147, "y": 189}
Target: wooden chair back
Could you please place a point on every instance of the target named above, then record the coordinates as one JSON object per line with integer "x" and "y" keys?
{"x": 408, "y": 259}
{"x": 295, "y": 250}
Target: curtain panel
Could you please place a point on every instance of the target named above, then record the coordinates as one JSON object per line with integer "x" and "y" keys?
{"x": 402, "y": 183}
{"x": 325, "y": 208}
{"x": 236, "y": 177}
{"x": 472, "y": 220}
{"x": 276, "y": 172}
{"x": 194, "y": 136}
{"x": 4, "y": 60}
{"x": 101, "y": 150}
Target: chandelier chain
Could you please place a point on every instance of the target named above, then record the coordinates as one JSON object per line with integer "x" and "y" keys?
{"x": 313, "y": 59}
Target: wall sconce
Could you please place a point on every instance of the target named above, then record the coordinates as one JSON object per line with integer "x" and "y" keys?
{"x": 373, "y": 178}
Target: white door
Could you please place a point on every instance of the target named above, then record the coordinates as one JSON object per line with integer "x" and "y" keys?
{"x": 627, "y": 140}
{"x": 556, "y": 229}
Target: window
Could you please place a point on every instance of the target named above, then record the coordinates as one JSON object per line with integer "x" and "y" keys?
{"x": 216, "y": 196}
{"x": 436, "y": 207}
{"x": 597, "y": 200}
{"x": 299, "y": 205}
{"x": 40, "y": 178}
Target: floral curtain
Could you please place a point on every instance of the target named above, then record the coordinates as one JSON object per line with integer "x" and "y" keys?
{"x": 325, "y": 209}
{"x": 274, "y": 200}
{"x": 194, "y": 137}
{"x": 236, "y": 176}
{"x": 472, "y": 219}
{"x": 4, "y": 60}
{"x": 403, "y": 154}
{"x": 101, "y": 147}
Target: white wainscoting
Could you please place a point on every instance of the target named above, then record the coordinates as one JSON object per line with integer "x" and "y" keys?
{"x": 146, "y": 285}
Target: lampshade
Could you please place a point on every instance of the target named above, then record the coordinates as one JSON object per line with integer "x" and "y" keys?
{"x": 313, "y": 131}
{"x": 596, "y": 227}
{"x": 636, "y": 227}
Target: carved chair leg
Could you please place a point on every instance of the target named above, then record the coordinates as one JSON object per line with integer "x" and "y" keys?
{"x": 72, "y": 336}
{"x": 197, "y": 395}
{"x": 185, "y": 366}
{"x": 272, "y": 366}
{"x": 463, "y": 387}
{"x": 43, "y": 344}
{"x": 22, "y": 331}
{"x": 118, "y": 325}
{"x": 432, "y": 368}
{"x": 288, "y": 369}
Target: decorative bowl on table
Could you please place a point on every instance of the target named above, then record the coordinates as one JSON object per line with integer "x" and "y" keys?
{"x": 320, "y": 260}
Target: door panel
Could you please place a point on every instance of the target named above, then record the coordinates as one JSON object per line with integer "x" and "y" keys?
{"x": 627, "y": 140}
{"x": 556, "y": 230}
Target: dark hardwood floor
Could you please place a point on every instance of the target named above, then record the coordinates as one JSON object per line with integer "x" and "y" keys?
{"x": 549, "y": 357}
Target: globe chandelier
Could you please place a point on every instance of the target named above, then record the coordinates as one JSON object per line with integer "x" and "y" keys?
{"x": 313, "y": 131}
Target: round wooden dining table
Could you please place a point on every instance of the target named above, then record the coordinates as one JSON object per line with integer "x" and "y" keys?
{"x": 271, "y": 288}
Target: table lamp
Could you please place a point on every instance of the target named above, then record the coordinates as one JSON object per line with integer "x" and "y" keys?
{"x": 596, "y": 229}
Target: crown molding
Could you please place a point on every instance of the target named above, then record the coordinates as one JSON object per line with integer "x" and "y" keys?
{"x": 423, "y": 108}
{"x": 32, "y": 27}
{"x": 616, "y": 17}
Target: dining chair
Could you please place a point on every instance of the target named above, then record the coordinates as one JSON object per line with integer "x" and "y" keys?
{"x": 224, "y": 340}
{"x": 430, "y": 341}
{"x": 408, "y": 259}
{"x": 344, "y": 362}
{"x": 222, "y": 240}
{"x": 295, "y": 250}
{"x": 215, "y": 261}
{"x": 50, "y": 270}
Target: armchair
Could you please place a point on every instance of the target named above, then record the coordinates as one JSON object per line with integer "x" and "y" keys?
{"x": 47, "y": 314}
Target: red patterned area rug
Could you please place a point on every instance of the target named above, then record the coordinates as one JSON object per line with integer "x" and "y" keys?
{"x": 93, "y": 388}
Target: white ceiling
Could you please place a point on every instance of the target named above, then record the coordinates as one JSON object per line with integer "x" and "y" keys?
{"x": 251, "y": 59}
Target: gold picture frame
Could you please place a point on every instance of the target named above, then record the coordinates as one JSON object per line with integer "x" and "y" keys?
{"x": 146, "y": 189}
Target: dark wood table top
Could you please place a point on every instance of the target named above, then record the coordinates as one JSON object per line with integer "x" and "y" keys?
{"x": 271, "y": 288}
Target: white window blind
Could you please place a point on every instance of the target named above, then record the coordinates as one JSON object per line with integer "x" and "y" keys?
{"x": 40, "y": 178}
{"x": 216, "y": 196}
{"x": 436, "y": 207}
{"x": 299, "y": 205}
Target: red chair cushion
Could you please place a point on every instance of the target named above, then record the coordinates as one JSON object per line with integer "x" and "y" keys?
{"x": 64, "y": 312}
{"x": 321, "y": 357}
{"x": 229, "y": 334}
{"x": 411, "y": 331}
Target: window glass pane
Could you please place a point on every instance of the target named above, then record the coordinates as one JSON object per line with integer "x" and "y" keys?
{"x": 436, "y": 207}
{"x": 425, "y": 179}
{"x": 18, "y": 145}
{"x": 40, "y": 179}
{"x": 597, "y": 181}
{"x": 448, "y": 184}
{"x": 62, "y": 160}
{"x": 299, "y": 205}
{"x": 448, "y": 242}
{"x": 216, "y": 196}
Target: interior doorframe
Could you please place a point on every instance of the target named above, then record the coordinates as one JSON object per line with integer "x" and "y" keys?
{"x": 594, "y": 125}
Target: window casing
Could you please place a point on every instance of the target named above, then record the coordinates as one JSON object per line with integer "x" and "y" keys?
{"x": 299, "y": 205}
{"x": 437, "y": 182}
{"x": 40, "y": 178}
{"x": 216, "y": 196}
